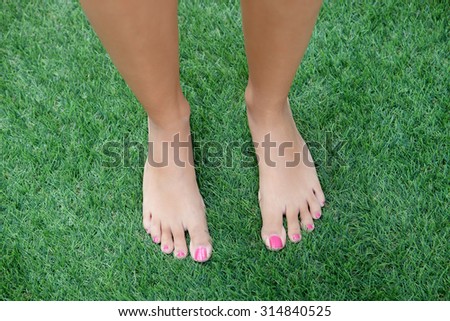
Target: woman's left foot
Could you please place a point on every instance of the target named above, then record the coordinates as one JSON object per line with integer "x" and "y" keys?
{"x": 288, "y": 182}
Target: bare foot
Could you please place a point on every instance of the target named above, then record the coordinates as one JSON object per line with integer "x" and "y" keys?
{"x": 288, "y": 182}
{"x": 172, "y": 203}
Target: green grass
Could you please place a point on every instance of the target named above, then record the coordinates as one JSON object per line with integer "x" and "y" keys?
{"x": 371, "y": 98}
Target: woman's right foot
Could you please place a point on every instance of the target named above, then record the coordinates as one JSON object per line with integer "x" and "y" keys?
{"x": 172, "y": 203}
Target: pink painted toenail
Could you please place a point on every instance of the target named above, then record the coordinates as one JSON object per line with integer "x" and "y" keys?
{"x": 318, "y": 215}
{"x": 323, "y": 203}
{"x": 296, "y": 237}
{"x": 165, "y": 248}
{"x": 156, "y": 239}
{"x": 200, "y": 254}
{"x": 309, "y": 227}
{"x": 275, "y": 242}
{"x": 181, "y": 254}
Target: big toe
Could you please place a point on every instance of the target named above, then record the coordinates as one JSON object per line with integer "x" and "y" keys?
{"x": 200, "y": 246}
{"x": 273, "y": 232}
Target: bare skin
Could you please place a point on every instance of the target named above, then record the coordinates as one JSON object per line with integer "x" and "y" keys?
{"x": 172, "y": 203}
{"x": 276, "y": 36}
{"x": 141, "y": 36}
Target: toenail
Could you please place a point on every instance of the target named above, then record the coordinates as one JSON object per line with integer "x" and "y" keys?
{"x": 309, "y": 227}
{"x": 296, "y": 237}
{"x": 156, "y": 239}
{"x": 275, "y": 242}
{"x": 323, "y": 203}
{"x": 318, "y": 215}
{"x": 181, "y": 254}
{"x": 200, "y": 254}
{"x": 165, "y": 248}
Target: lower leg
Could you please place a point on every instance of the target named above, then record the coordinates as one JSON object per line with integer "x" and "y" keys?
{"x": 276, "y": 36}
{"x": 141, "y": 36}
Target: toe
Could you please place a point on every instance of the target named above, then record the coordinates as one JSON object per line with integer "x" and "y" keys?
{"x": 146, "y": 221}
{"x": 179, "y": 242}
{"x": 293, "y": 225}
{"x": 273, "y": 232}
{"x": 306, "y": 218}
{"x": 155, "y": 230}
{"x": 319, "y": 194}
{"x": 166, "y": 240}
{"x": 200, "y": 246}
{"x": 314, "y": 207}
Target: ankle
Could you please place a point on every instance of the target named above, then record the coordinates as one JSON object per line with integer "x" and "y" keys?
{"x": 264, "y": 108}
{"x": 259, "y": 102}
{"x": 173, "y": 117}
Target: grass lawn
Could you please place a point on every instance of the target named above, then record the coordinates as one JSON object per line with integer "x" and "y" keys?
{"x": 371, "y": 98}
